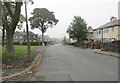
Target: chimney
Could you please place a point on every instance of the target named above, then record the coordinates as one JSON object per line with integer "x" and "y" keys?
{"x": 113, "y": 19}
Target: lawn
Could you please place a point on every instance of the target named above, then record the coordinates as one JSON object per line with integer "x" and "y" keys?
{"x": 20, "y": 50}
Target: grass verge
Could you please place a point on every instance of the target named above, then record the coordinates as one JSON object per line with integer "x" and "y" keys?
{"x": 20, "y": 51}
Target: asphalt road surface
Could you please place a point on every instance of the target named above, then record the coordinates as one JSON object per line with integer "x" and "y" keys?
{"x": 67, "y": 63}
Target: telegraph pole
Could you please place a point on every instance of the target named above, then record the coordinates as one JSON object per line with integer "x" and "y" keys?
{"x": 27, "y": 33}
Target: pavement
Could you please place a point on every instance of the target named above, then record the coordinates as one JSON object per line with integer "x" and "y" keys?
{"x": 27, "y": 71}
{"x": 109, "y": 53}
{"x": 67, "y": 63}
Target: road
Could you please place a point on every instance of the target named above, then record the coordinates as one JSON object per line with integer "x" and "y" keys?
{"x": 66, "y": 63}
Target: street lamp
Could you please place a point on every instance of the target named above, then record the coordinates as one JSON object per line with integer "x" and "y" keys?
{"x": 102, "y": 39}
{"x": 27, "y": 31}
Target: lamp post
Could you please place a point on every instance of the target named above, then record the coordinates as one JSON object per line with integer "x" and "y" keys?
{"x": 102, "y": 34}
{"x": 27, "y": 33}
{"x": 102, "y": 39}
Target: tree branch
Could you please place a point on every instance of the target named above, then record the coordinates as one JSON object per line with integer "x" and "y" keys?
{"x": 7, "y": 5}
{"x": 16, "y": 17}
{"x": 5, "y": 24}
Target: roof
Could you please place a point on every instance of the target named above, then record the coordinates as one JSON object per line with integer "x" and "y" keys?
{"x": 24, "y": 33}
{"x": 90, "y": 29}
{"x": 109, "y": 24}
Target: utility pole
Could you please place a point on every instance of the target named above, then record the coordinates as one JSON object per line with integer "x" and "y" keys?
{"x": 102, "y": 39}
{"x": 27, "y": 32}
{"x": 102, "y": 34}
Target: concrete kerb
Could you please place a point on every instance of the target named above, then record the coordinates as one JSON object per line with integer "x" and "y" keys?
{"x": 116, "y": 56}
{"x": 28, "y": 70}
{"x": 98, "y": 51}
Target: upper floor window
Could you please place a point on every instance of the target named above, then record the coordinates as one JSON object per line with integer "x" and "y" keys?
{"x": 99, "y": 32}
{"x": 21, "y": 37}
{"x": 15, "y": 37}
{"x": 112, "y": 29}
{"x": 35, "y": 40}
{"x": 107, "y": 30}
{"x": 35, "y": 36}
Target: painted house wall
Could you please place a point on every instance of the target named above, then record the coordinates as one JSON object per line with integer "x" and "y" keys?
{"x": 113, "y": 33}
{"x": 109, "y": 34}
{"x": 118, "y": 32}
{"x": 97, "y": 35}
{"x": 90, "y": 36}
{"x": 105, "y": 35}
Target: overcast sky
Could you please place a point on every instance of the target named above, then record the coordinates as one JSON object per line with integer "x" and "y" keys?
{"x": 95, "y": 12}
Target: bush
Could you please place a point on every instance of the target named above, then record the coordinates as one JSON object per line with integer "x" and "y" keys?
{"x": 112, "y": 46}
{"x": 16, "y": 43}
{"x": 24, "y": 43}
{"x": 80, "y": 44}
{"x": 32, "y": 43}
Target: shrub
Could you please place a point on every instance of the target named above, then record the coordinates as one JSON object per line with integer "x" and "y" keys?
{"x": 80, "y": 44}
{"x": 32, "y": 43}
{"x": 16, "y": 43}
{"x": 112, "y": 46}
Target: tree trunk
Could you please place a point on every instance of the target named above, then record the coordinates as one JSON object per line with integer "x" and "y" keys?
{"x": 10, "y": 29}
{"x": 3, "y": 36}
{"x": 78, "y": 40}
{"x": 9, "y": 43}
{"x": 42, "y": 38}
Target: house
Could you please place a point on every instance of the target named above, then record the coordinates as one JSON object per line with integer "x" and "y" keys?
{"x": 46, "y": 39}
{"x": 90, "y": 34}
{"x": 22, "y": 37}
{"x": 108, "y": 32}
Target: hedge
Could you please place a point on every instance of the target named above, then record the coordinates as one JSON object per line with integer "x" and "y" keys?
{"x": 16, "y": 43}
{"x": 112, "y": 46}
{"x": 32, "y": 43}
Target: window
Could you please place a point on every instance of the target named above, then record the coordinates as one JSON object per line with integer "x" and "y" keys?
{"x": 35, "y": 36}
{"x": 112, "y": 29}
{"x": 21, "y": 37}
{"x": 96, "y": 32}
{"x": 15, "y": 37}
{"x": 99, "y": 32}
{"x": 34, "y": 40}
{"x": 107, "y": 30}
{"x": 104, "y": 30}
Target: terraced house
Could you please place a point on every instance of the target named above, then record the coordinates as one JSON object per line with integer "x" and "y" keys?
{"x": 108, "y": 32}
